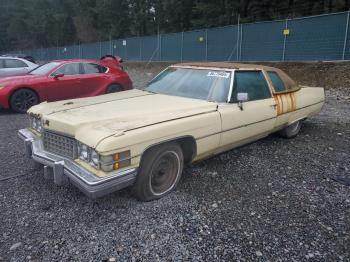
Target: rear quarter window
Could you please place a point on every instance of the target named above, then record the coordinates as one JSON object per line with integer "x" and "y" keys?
{"x": 14, "y": 63}
{"x": 276, "y": 81}
{"x": 90, "y": 68}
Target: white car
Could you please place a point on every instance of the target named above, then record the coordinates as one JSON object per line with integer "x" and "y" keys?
{"x": 14, "y": 66}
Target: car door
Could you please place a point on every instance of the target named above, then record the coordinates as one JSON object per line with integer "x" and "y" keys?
{"x": 286, "y": 101}
{"x": 67, "y": 85}
{"x": 254, "y": 118}
{"x": 13, "y": 67}
{"x": 94, "y": 80}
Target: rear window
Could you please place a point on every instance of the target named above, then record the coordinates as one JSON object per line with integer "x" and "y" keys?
{"x": 90, "y": 68}
{"x": 276, "y": 81}
{"x": 14, "y": 63}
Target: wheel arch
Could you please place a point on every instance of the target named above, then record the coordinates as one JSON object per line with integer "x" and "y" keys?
{"x": 114, "y": 83}
{"x": 187, "y": 143}
{"x": 22, "y": 87}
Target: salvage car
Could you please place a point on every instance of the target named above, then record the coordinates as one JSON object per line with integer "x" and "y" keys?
{"x": 143, "y": 138}
{"x": 15, "y": 66}
{"x": 63, "y": 79}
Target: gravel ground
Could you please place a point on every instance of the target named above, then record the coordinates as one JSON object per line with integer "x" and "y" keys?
{"x": 276, "y": 199}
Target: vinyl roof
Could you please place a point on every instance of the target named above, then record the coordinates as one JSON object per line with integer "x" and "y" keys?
{"x": 289, "y": 83}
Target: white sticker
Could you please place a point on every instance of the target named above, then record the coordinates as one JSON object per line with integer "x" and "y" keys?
{"x": 219, "y": 74}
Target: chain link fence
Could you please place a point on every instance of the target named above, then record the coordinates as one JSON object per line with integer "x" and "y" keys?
{"x": 316, "y": 38}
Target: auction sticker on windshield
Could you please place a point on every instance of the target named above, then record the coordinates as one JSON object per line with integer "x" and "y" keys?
{"x": 219, "y": 74}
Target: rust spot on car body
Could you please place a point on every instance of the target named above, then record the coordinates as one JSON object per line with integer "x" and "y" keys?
{"x": 286, "y": 102}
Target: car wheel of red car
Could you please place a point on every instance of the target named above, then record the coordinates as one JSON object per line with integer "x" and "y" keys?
{"x": 22, "y": 99}
{"x": 114, "y": 89}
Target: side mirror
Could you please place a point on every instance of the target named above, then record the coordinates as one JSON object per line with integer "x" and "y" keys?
{"x": 56, "y": 77}
{"x": 242, "y": 97}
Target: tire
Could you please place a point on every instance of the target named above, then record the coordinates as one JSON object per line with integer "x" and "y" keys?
{"x": 22, "y": 99}
{"x": 160, "y": 171}
{"x": 291, "y": 130}
{"x": 114, "y": 88}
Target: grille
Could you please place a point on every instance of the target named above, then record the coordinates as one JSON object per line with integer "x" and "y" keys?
{"x": 59, "y": 144}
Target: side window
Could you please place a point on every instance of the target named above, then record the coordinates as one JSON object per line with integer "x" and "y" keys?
{"x": 69, "y": 69}
{"x": 14, "y": 63}
{"x": 90, "y": 68}
{"x": 251, "y": 82}
{"x": 2, "y": 63}
{"x": 276, "y": 81}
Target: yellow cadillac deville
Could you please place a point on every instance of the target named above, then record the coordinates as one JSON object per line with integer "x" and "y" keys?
{"x": 143, "y": 138}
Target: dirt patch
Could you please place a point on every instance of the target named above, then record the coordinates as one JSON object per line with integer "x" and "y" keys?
{"x": 330, "y": 75}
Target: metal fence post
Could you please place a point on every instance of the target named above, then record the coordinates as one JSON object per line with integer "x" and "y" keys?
{"x": 182, "y": 45}
{"x": 284, "y": 41}
{"x": 140, "y": 49}
{"x": 206, "y": 44}
{"x": 346, "y": 35}
{"x": 126, "y": 49}
{"x": 57, "y": 50}
{"x": 160, "y": 48}
{"x": 240, "y": 44}
{"x": 100, "y": 48}
{"x": 237, "y": 44}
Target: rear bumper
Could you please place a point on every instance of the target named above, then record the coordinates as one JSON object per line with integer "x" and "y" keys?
{"x": 63, "y": 170}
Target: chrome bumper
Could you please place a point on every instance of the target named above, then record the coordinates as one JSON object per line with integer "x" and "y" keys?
{"x": 64, "y": 170}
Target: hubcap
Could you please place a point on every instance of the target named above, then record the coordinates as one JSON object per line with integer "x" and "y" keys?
{"x": 165, "y": 172}
{"x": 294, "y": 127}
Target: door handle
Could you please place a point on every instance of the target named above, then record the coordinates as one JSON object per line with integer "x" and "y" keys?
{"x": 274, "y": 106}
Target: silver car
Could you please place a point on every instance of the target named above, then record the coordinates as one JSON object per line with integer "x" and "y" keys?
{"x": 14, "y": 66}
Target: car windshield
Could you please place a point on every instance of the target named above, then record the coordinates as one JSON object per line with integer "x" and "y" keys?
{"x": 204, "y": 84}
{"x": 44, "y": 69}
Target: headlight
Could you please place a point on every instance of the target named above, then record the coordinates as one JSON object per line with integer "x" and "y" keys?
{"x": 36, "y": 123}
{"x": 106, "y": 163}
{"x": 94, "y": 159}
{"x": 39, "y": 125}
{"x": 33, "y": 123}
{"x": 83, "y": 152}
{"x": 89, "y": 155}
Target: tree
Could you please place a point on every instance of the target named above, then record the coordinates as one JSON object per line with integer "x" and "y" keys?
{"x": 44, "y": 23}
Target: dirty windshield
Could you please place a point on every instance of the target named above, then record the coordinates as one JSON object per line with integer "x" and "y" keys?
{"x": 204, "y": 84}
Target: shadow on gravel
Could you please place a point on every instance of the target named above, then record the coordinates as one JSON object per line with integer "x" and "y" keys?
{"x": 7, "y": 112}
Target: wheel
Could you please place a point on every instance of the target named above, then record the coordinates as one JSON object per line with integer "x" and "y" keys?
{"x": 160, "y": 171}
{"x": 114, "y": 88}
{"x": 22, "y": 99}
{"x": 291, "y": 130}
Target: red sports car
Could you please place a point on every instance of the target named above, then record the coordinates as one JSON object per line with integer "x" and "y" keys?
{"x": 63, "y": 79}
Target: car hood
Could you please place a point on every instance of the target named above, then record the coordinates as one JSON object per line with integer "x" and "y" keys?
{"x": 19, "y": 79}
{"x": 90, "y": 120}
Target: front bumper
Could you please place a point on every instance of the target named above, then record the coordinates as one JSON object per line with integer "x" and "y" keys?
{"x": 64, "y": 170}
